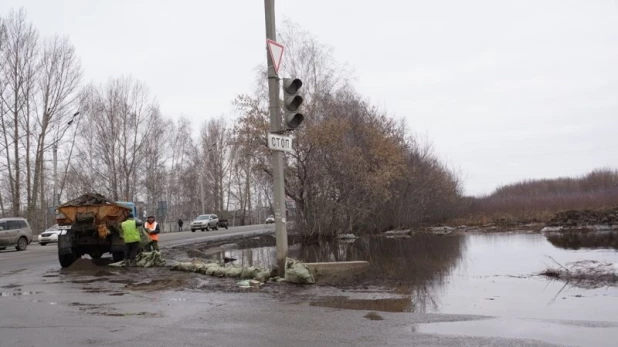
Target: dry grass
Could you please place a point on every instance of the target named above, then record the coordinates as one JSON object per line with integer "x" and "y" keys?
{"x": 585, "y": 273}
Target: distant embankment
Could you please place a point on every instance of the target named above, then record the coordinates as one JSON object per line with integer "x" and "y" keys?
{"x": 539, "y": 200}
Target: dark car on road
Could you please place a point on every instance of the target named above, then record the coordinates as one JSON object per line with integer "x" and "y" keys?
{"x": 223, "y": 223}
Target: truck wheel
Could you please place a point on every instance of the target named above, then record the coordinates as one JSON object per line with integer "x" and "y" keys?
{"x": 226, "y": 227}
{"x": 95, "y": 254}
{"x": 192, "y": 230}
{"x": 22, "y": 243}
{"x": 66, "y": 259}
{"x": 42, "y": 243}
{"x": 117, "y": 256}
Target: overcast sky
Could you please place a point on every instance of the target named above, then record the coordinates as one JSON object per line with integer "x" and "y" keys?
{"x": 505, "y": 90}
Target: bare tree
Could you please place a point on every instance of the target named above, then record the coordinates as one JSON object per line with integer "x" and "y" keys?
{"x": 217, "y": 149}
{"x": 156, "y": 172}
{"x": 121, "y": 118}
{"x": 180, "y": 189}
{"x": 4, "y": 165}
{"x": 18, "y": 64}
{"x": 60, "y": 73}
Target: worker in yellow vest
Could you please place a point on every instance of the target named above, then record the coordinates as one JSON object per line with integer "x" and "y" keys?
{"x": 153, "y": 229}
{"x": 131, "y": 237}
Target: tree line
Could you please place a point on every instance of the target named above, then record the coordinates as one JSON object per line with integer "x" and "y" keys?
{"x": 354, "y": 167}
{"x": 538, "y": 200}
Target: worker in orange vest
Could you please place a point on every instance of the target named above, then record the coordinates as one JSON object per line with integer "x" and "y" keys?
{"x": 153, "y": 229}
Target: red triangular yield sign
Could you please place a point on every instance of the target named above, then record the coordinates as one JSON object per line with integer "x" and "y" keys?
{"x": 276, "y": 53}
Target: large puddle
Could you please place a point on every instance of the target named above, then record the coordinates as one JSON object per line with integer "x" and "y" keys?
{"x": 490, "y": 274}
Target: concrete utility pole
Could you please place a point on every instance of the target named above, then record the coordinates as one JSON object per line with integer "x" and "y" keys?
{"x": 55, "y": 189}
{"x": 201, "y": 177}
{"x": 277, "y": 156}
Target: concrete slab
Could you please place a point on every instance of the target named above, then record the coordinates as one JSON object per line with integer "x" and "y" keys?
{"x": 331, "y": 271}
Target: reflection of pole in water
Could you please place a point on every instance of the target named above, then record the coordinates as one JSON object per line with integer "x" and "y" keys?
{"x": 415, "y": 266}
{"x": 258, "y": 256}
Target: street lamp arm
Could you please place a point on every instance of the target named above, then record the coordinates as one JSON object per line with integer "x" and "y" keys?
{"x": 66, "y": 168}
{"x": 57, "y": 140}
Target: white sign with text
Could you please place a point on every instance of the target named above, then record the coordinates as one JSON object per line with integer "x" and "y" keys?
{"x": 279, "y": 142}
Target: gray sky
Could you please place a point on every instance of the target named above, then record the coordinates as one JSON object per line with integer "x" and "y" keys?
{"x": 505, "y": 90}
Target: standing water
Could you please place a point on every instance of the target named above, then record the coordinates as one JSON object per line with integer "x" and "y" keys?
{"x": 492, "y": 275}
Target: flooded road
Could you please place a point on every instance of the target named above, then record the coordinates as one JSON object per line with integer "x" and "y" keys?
{"x": 433, "y": 290}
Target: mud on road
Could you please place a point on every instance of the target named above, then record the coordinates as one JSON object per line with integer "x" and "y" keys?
{"x": 94, "y": 276}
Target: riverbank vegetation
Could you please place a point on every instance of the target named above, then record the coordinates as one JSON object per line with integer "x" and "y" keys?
{"x": 537, "y": 201}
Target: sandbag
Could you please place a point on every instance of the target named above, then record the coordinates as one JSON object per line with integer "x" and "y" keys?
{"x": 297, "y": 272}
{"x": 186, "y": 266}
{"x": 145, "y": 259}
{"x": 262, "y": 275}
{"x": 144, "y": 238}
{"x": 149, "y": 259}
{"x": 249, "y": 272}
{"x": 219, "y": 271}
{"x": 233, "y": 271}
{"x": 203, "y": 268}
{"x": 210, "y": 271}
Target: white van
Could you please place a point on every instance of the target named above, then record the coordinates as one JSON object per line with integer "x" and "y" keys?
{"x": 15, "y": 232}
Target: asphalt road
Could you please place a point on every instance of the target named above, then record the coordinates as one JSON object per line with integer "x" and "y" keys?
{"x": 36, "y": 255}
{"x": 42, "y": 305}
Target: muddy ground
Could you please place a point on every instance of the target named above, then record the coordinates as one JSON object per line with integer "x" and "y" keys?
{"x": 96, "y": 276}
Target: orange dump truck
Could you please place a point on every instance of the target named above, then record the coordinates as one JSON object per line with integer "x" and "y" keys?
{"x": 91, "y": 225}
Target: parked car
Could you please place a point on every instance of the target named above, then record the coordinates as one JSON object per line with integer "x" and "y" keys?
{"x": 205, "y": 222}
{"x": 15, "y": 232}
{"x": 270, "y": 219}
{"x": 50, "y": 235}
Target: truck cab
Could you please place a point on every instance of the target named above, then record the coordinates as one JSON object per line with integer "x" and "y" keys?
{"x": 129, "y": 205}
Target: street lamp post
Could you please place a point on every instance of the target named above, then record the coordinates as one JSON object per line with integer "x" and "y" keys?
{"x": 56, "y": 197}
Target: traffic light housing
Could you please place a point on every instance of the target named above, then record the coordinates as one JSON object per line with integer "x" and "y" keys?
{"x": 292, "y": 102}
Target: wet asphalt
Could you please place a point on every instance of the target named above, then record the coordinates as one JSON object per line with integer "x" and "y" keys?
{"x": 42, "y": 305}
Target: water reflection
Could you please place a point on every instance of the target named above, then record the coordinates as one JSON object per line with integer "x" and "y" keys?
{"x": 584, "y": 239}
{"x": 413, "y": 266}
{"x": 258, "y": 256}
{"x": 480, "y": 273}
{"x": 413, "y": 261}
{"x": 487, "y": 273}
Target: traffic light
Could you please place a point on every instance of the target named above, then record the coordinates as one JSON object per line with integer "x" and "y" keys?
{"x": 291, "y": 102}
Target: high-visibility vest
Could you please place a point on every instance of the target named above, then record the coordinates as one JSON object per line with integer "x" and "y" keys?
{"x": 150, "y": 228}
{"x": 129, "y": 231}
